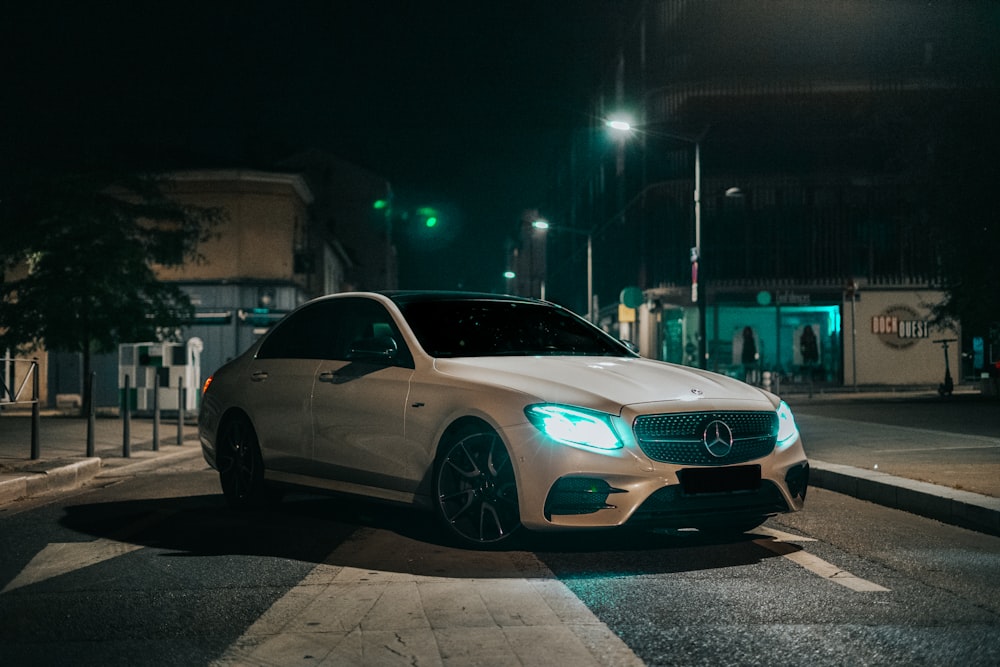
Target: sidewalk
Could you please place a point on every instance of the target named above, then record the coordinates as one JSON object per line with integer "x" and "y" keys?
{"x": 953, "y": 442}
{"x": 63, "y": 463}
{"x": 836, "y": 464}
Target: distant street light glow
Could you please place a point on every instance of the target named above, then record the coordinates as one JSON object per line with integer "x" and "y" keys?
{"x": 543, "y": 225}
{"x": 430, "y": 216}
{"x": 619, "y": 125}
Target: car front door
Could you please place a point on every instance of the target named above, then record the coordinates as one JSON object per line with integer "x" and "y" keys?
{"x": 359, "y": 402}
{"x": 279, "y": 390}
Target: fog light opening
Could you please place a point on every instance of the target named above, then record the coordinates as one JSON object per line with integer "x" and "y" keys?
{"x": 797, "y": 480}
{"x": 578, "y": 495}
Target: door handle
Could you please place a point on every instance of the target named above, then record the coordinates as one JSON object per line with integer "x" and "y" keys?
{"x": 258, "y": 376}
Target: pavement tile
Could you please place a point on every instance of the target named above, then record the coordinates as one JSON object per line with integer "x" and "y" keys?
{"x": 399, "y": 607}
{"x": 543, "y": 646}
{"x": 461, "y": 647}
{"x": 516, "y": 602}
{"x": 387, "y": 648}
{"x": 338, "y": 607}
{"x": 454, "y": 603}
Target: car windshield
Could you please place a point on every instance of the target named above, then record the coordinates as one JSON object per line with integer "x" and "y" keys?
{"x": 486, "y": 328}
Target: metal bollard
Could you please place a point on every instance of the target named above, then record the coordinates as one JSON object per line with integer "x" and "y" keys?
{"x": 36, "y": 416}
{"x": 126, "y": 422}
{"x": 156, "y": 416}
{"x": 180, "y": 411}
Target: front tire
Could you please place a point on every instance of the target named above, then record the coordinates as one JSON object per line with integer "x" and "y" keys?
{"x": 475, "y": 489}
{"x": 240, "y": 464}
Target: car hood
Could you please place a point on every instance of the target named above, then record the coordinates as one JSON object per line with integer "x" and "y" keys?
{"x": 607, "y": 383}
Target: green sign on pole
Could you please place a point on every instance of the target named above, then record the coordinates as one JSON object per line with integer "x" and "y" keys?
{"x": 631, "y": 297}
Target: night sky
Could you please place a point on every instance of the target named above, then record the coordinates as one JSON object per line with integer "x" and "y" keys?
{"x": 460, "y": 103}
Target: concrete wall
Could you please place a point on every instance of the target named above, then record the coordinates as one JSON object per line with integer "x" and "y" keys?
{"x": 893, "y": 342}
{"x": 267, "y": 222}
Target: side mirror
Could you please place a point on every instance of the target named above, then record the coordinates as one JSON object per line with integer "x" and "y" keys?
{"x": 378, "y": 350}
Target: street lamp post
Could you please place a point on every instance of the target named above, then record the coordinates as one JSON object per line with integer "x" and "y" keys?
{"x": 696, "y": 257}
{"x": 620, "y": 125}
{"x": 385, "y": 205}
{"x": 544, "y": 226}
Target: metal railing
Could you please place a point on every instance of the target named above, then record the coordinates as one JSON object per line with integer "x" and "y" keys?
{"x": 12, "y": 392}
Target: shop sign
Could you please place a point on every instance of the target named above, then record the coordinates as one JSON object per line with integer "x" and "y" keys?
{"x": 625, "y": 314}
{"x": 793, "y": 299}
{"x": 900, "y": 327}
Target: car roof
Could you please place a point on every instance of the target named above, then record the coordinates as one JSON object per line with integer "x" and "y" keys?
{"x": 401, "y": 297}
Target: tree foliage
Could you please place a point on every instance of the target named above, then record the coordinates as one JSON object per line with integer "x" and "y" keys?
{"x": 77, "y": 259}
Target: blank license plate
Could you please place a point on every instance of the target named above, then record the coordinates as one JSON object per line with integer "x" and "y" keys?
{"x": 720, "y": 480}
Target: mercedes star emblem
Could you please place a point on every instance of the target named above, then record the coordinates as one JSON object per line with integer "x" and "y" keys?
{"x": 718, "y": 439}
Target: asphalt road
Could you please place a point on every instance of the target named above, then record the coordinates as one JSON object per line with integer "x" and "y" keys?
{"x": 967, "y": 414}
{"x": 952, "y": 442}
{"x": 153, "y": 569}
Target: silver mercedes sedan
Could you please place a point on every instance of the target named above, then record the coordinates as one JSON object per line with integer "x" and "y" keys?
{"x": 498, "y": 413}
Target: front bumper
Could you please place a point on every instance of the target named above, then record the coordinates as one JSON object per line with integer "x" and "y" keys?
{"x": 561, "y": 487}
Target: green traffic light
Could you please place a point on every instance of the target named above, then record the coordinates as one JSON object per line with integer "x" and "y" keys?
{"x": 430, "y": 222}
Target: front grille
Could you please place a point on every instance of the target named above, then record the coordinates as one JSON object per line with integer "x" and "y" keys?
{"x": 680, "y": 438}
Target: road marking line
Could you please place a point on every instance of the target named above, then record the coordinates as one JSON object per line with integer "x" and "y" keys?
{"x": 781, "y": 536}
{"x": 820, "y": 567}
{"x": 58, "y": 558}
{"x": 830, "y": 571}
{"x": 63, "y": 557}
{"x": 381, "y": 598}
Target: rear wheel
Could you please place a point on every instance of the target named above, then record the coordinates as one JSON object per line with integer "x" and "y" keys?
{"x": 241, "y": 466}
{"x": 475, "y": 488}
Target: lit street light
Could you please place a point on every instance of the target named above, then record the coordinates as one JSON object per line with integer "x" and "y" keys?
{"x": 544, "y": 226}
{"x": 624, "y": 126}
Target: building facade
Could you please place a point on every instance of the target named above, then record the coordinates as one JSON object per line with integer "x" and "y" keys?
{"x": 272, "y": 251}
{"x": 263, "y": 260}
{"x": 806, "y": 150}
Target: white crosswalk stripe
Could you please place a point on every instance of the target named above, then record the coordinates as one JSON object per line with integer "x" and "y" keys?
{"x": 373, "y": 603}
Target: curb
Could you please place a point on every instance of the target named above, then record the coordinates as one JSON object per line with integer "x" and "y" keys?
{"x": 66, "y": 474}
{"x": 959, "y": 508}
{"x": 46, "y": 477}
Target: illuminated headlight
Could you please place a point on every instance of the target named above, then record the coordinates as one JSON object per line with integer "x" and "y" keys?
{"x": 786, "y": 425}
{"x": 577, "y": 427}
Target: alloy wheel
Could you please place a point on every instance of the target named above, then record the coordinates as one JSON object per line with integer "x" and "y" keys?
{"x": 240, "y": 464}
{"x": 476, "y": 490}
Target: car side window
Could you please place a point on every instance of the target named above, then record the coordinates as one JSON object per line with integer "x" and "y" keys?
{"x": 331, "y": 329}
{"x": 358, "y": 322}
{"x": 295, "y": 337}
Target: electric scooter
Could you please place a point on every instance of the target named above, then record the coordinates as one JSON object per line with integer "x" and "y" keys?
{"x": 946, "y": 387}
